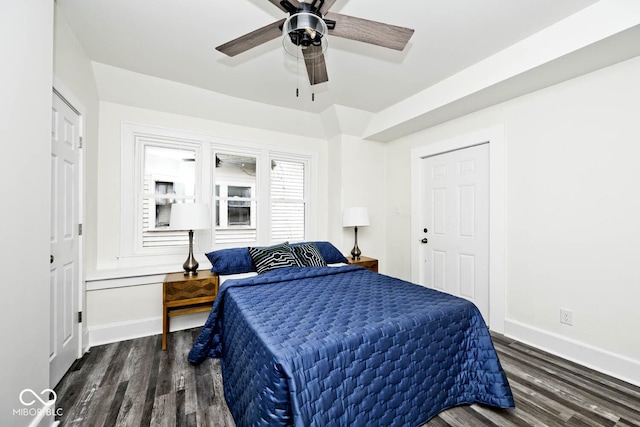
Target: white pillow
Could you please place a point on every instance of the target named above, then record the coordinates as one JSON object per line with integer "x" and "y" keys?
{"x": 222, "y": 278}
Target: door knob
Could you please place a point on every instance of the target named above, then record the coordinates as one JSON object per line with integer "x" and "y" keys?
{"x": 51, "y": 258}
{"x": 425, "y": 240}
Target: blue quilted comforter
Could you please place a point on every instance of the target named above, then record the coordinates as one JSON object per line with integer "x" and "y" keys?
{"x": 327, "y": 346}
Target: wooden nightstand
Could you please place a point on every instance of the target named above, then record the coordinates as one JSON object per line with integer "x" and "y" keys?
{"x": 185, "y": 295}
{"x": 366, "y": 262}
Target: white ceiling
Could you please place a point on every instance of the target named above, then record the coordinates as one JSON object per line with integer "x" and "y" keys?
{"x": 176, "y": 40}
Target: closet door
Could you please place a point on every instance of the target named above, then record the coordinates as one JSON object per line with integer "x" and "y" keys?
{"x": 65, "y": 239}
{"x": 455, "y": 224}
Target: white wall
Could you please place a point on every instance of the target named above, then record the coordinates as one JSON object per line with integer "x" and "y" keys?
{"x": 73, "y": 78}
{"x": 363, "y": 184}
{"x": 126, "y": 87}
{"x": 334, "y": 193}
{"x": 25, "y": 134}
{"x": 357, "y": 177}
{"x": 398, "y": 209}
{"x": 573, "y": 213}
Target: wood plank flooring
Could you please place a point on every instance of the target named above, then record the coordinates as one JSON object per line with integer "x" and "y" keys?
{"x": 134, "y": 383}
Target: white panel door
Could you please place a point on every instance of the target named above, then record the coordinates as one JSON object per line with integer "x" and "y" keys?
{"x": 455, "y": 224}
{"x": 64, "y": 262}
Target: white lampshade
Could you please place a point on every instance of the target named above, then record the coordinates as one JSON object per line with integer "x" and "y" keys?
{"x": 355, "y": 217}
{"x": 190, "y": 216}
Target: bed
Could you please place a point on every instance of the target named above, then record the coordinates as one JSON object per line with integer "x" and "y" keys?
{"x": 344, "y": 346}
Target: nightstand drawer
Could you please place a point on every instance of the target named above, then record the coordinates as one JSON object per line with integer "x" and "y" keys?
{"x": 192, "y": 289}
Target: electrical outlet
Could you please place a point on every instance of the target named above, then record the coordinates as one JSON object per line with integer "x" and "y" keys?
{"x": 566, "y": 317}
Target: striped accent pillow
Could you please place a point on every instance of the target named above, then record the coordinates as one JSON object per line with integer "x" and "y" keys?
{"x": 273, "y": 257}
{"x": 308, "y": 255}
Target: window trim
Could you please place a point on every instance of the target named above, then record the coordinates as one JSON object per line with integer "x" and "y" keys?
{"x": 134, "y": 139}
{"x": 205, "y": 146}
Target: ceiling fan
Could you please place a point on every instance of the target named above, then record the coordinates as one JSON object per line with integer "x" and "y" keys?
{"x": 306, "y": 28}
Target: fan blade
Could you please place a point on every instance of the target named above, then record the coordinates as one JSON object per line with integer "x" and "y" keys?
{"x": 372, "y": 32}
{"x": 326, "y": 6}
{"x": 281, "y": 7}
{"x": 316, "y": 67}
{"x": 252, "y": 39}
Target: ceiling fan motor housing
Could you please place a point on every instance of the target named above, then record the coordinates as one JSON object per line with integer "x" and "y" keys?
{"x": 305, "y": 27}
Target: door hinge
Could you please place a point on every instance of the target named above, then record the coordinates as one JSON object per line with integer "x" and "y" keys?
{"x": 79, "y": 317}
{"x": 80, "y": 143}
{"x": 79, "y": 229}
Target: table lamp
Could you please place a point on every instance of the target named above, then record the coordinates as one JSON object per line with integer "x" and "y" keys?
{"x": 355, "y": 217}
{"x": 190, "y": 216}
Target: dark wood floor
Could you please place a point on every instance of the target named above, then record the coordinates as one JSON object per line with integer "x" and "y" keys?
{"x": 134, "y": 383}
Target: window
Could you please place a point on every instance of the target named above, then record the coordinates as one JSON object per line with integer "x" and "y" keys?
{"x": 258, "y": 194}
{"x": 287, "y": 200}
{"x": 169, "y": 176}
{"x": 235, "y": 198}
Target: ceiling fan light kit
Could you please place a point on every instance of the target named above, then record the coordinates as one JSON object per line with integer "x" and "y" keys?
{"x": 302, "y": 30}
{"x": 306, "y": 30}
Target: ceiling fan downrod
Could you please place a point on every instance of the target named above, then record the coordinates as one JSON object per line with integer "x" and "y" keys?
{"x": 313, "y": 7}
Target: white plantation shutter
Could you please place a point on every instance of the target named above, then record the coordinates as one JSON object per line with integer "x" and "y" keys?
{"x": 236, "y": 237}
{"x": 288, "y": 202}
{"x": 168, "y": 175}
{"x": 152, "y": 237}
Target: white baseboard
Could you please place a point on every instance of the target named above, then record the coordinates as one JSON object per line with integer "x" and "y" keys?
{"x": 86, "y": 344}
{"x": 615, "y": 365}
{"x": 121, "y": 331}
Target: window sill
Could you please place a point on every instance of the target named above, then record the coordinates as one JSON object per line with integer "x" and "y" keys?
{"x": 123, "y": 274}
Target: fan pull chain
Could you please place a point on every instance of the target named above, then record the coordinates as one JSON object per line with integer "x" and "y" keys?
{"x": 297, "y": 74}
{"x": 313, "y": 73}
